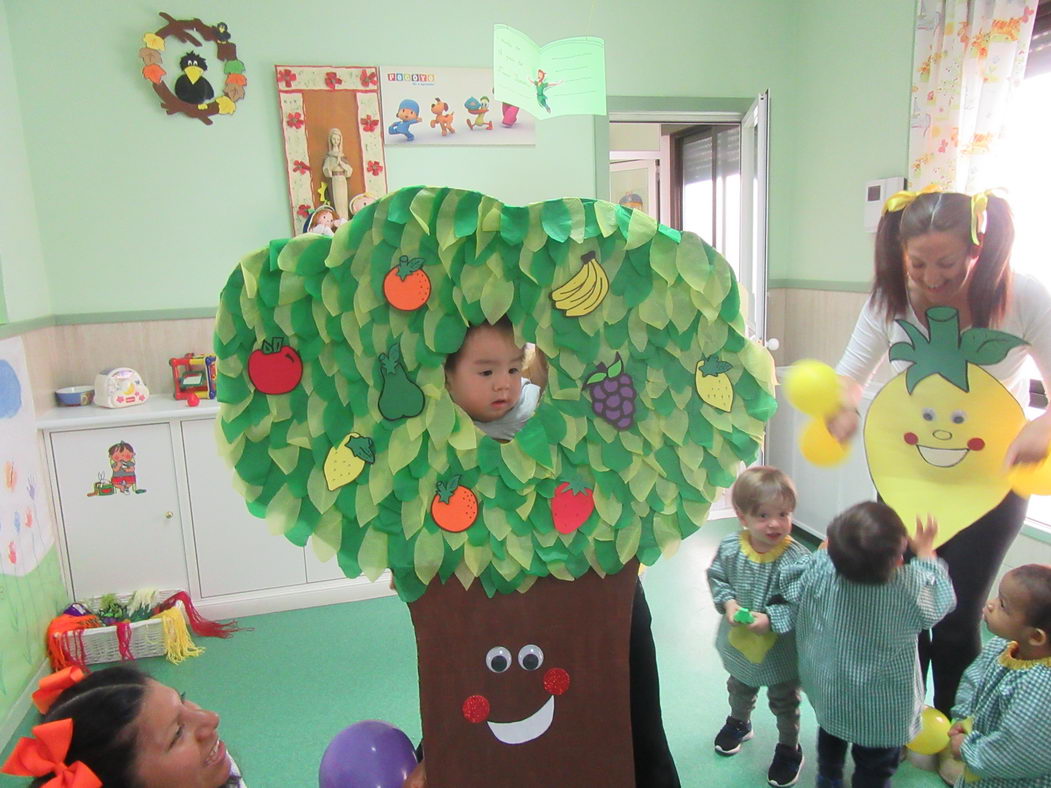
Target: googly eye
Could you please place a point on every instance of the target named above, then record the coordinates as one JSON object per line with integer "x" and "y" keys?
{"x": 958, "y": 417}
{"x": 530, "y": 657}
{"x": 928, "y": 414}
{"x": 498, "y": 659}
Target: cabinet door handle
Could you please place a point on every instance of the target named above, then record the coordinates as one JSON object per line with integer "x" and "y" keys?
{"x": 169, "y": 515}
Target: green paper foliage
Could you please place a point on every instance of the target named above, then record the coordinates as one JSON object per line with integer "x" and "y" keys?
{"x": 672, "y": 302}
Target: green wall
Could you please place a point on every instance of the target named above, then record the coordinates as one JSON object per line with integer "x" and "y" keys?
{"x": 850, "y": 117}
{"x": 23, "y": 283}
{"x": 148, "y": 212}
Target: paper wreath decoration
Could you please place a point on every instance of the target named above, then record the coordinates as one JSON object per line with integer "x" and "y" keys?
{"x": 192, "y": 93}
{"x": 936, "y": 435}
{"x": 624, "y": 416}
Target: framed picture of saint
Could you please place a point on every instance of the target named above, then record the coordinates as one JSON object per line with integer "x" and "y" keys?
{"x": 330, "y": 122}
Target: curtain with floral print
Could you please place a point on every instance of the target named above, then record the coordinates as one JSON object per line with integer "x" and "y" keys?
{"x": 969, "y": 58}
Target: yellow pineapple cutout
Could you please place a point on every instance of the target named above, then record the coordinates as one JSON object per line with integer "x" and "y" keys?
{"x": 937, "y": 434}
{"x": 713, "y": 384}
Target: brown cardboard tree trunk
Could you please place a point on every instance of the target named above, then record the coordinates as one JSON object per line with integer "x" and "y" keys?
{"x": 582, "y": 628}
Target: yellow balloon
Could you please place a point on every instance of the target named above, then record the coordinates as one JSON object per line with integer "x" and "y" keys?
{"x": 934, "y": 733}
{"x": 813, "y": 388}
{"x": 1029, "y": 480}
{"x": 819, "y": 447}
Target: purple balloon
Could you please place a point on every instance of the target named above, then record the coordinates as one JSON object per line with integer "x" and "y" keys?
{"x": 367, "y": 754}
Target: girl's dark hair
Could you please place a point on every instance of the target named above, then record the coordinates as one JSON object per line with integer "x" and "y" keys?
{"x": 103, "y": 708}
{"x": 504, "y": 324}
{"x": 950, "y": 212}
{"x": 866, "y": 541}
{"x": 1036, "y": 580}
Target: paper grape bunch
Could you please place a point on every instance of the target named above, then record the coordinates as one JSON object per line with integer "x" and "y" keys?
{"x": 619, "y": 419}
{"x": 612, "y": 394}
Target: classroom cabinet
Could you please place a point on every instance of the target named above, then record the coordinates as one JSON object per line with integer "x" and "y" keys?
{"x": 119, "y": 500}
{"x": 144, "y": 500}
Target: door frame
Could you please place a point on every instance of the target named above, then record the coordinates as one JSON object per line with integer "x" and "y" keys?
{"x": 696, "y": 111}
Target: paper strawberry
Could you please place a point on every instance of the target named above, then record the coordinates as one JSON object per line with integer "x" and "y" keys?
{"x": 572, "y": 506}
{"x": 713, "y": 384}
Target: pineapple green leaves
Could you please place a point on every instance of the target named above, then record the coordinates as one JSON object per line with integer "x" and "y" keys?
{"x": 654, "y": 454}
{"x": 947, "y": 351}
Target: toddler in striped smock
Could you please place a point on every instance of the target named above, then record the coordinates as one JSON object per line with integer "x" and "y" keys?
{"x": 858, "y": 611}
{"x": 754, "y": 640}
{"x": 1005, "y": 695}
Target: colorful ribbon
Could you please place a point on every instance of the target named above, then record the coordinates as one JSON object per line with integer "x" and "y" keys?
{"x": 46, "y": 754}
{"x": 899, "y": 201}
{"x": 52, "y": 686}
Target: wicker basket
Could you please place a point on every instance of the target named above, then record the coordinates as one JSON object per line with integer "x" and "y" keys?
{"x": 101, "y": 644}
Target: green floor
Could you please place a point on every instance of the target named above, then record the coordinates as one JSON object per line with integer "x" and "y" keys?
{"x": 285, "y": 688}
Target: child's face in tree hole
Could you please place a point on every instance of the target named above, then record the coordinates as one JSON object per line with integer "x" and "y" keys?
{"x": 486, "y": 380}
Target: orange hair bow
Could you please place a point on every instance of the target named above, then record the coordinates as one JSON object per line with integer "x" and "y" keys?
{"x": 46, "y": 754}
{"x": 52, "y": 686}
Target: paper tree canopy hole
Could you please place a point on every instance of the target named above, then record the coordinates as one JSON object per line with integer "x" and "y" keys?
{"x": 621, "y": 415}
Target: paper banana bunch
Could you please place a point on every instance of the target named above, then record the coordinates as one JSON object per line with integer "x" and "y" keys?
{"x": 584, "y": 292}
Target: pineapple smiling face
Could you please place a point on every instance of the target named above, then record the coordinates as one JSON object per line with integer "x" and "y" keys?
{"x": 937, "y": 434}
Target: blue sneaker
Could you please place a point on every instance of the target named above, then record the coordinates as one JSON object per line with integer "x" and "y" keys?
{"x": 828, "y": 782}
{"x": 733, "y": 734}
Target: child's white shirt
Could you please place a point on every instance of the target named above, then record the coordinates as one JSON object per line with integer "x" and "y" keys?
{"x": 505, "y": 427}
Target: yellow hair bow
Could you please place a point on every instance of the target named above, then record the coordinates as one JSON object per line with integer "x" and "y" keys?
{"x": 979, "y": 204}
{"x": 899, "y": 201}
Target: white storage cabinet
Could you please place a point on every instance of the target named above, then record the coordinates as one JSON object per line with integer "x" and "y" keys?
{"x": 188, "y": 528}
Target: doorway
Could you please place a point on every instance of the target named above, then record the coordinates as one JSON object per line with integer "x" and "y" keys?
{"x": 704, "y": 172}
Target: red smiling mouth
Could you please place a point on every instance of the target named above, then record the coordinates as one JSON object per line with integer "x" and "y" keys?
{"x": 941, "y": 456}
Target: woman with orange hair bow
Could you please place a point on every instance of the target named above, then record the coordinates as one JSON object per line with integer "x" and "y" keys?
{"x": 119, "y": 728}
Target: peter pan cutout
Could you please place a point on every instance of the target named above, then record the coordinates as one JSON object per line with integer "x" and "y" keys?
{"x": 937, "y": 434}
{"x": 642, "y": 456}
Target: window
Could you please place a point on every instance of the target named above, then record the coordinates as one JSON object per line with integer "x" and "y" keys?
{"x": 1026, "y": 174}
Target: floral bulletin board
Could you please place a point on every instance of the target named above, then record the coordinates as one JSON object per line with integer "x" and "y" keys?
{"x": 330, "y": 119}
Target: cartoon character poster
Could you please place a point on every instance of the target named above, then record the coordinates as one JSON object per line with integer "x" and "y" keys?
{"x": 31, "y": 587}
{"x": 330, "y": 120}
{"x": 427, "y": 105}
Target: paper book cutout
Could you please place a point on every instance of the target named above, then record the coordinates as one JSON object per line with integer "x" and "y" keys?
{"x": 565, "y": 77}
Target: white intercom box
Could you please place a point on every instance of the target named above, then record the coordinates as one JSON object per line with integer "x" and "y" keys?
{"x": 877, "y": 193}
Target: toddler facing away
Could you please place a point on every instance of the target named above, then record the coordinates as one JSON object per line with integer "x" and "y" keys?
{"x": 754, "y": 638}
{"x": 858, "y": 610}
{"x": 1005, "y": 695}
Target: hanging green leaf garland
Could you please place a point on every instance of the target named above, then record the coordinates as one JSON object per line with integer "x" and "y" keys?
{"x": 649, "y": 446}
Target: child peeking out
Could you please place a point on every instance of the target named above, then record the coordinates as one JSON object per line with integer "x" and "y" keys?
{"x": 754, "y": 641}
{"x": 498, "y": 383}
{"x": 858, "y": 612}
{"x": 1005, "y": 695}
{"x": 485, "y": 378}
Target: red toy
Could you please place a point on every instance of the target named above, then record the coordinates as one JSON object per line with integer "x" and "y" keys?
{"x": 193, "y": 374}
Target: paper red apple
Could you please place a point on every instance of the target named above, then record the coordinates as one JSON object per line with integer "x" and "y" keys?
{"x": 571, "y": 507}
{"x": 275, "y": 368}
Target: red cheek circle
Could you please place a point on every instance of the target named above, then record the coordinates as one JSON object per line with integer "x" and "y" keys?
{"x": 911, "y": 438}
{"x": 975, "y": 444}
{"x": 476, "y": 709}
{"x": 556, "y": 681}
